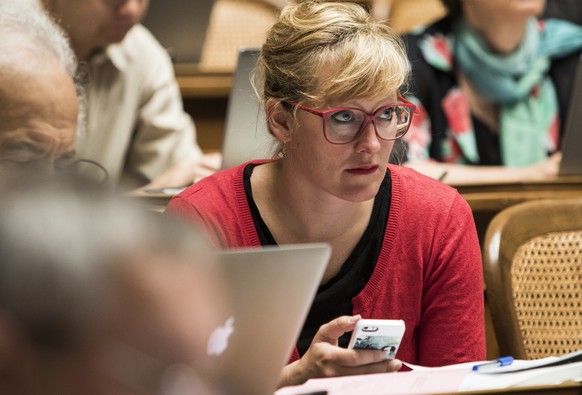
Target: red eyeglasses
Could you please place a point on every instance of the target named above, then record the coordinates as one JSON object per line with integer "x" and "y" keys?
{"x": 343, "y": 125}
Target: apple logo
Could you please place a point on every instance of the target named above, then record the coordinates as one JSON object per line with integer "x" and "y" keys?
{"x": 218, "y": 341}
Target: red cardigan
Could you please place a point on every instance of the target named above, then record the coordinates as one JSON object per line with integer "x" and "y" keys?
{"x": 428, "y": 273}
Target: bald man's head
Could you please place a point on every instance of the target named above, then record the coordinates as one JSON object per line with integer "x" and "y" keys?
{"x": 38, "y": 98}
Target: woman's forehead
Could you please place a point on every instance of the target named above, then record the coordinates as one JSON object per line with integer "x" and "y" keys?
{"x": 358, "y": 101}
{"x": 329, "y": 86}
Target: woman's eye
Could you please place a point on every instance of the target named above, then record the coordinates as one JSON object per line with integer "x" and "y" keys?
{"x": 343, "y": 116}
{"x": 387, "y": 113}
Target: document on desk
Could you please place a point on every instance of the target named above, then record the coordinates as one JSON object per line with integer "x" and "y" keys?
{"x": 422, "y": 382}
{"x": 454, "y": 378}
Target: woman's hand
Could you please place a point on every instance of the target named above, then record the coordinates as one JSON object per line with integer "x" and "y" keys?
{"x": 325, "y": 359}
{"x": 545, "y": 169}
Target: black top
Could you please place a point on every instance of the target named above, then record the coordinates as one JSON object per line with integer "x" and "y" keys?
{"x": 334, "y": 298}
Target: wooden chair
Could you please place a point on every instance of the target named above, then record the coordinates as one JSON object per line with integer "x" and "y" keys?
{"x": 533, "y": 273}
{"x": 235, "y": 24}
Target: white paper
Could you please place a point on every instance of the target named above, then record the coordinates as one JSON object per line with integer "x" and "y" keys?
{"x": 422, "y": 382}
{"x": 453, "y": 378}
{"x": 541, "y": 376}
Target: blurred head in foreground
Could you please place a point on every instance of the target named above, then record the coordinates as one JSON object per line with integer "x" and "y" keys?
{"x": 97, "y": 297}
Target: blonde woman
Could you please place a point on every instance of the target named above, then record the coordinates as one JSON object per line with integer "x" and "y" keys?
{"x": 404, "y": 246}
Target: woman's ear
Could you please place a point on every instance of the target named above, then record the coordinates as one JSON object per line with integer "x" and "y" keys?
{"x": 279, "y": 120}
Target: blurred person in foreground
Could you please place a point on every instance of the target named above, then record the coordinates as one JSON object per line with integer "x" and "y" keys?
{"x": 492, "y": 83}
{"x": 404, "y": 246}
{"x": 136, "y": 125}
{"x": 98, "y": 298}
{"x": 38, "y": 100}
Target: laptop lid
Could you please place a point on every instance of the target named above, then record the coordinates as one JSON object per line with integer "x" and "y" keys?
{"x": 571, "y": 164}
{"x": 246, "y": 136}
{"x": 271, "y": 291}
{"x": 180, "y": 26}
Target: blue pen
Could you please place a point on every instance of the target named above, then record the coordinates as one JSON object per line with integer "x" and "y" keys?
{"x": 499, "y": 362}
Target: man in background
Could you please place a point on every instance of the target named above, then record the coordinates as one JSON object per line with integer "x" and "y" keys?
{"x": 137, "y": 128}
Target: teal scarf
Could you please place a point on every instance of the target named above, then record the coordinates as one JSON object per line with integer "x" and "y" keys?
{"x": 519, "y": 82}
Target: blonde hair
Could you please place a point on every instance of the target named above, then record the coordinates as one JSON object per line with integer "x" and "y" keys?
{"x": 323, "y": 51}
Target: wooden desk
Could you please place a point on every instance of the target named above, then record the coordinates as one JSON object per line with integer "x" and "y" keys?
{"x": 204, "y": 85}
{"x": 205, "y": 97}
{"x": 486, "y": 200}
{"x": 496, "y": 197}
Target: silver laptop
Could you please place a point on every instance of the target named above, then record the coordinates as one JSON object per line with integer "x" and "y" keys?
{"x": 571, "y": 164}
{"x": 180, "y": 26}
{"x": 271, "y": 291}
{"x": 246, "y": 136}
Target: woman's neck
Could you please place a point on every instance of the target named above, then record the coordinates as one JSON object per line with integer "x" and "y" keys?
{"x": 308, "y": 214}
{"x": 502, "y": 35}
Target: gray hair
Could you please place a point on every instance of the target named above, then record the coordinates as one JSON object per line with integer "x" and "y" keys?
{"x": 29, "y": 35}
{"x": 20, "y": 21}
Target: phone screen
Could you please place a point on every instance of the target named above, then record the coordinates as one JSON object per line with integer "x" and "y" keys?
{"x": 384, "y": 335}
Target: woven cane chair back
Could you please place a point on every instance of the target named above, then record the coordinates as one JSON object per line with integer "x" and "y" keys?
{"x": 533, "y": 274}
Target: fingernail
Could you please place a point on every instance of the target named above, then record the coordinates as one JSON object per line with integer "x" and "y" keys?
{"x": 355, "y": 319}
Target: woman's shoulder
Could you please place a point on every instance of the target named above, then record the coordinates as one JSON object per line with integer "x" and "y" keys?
{"x": 220, "y": 189}
{"x": 430, "y": 52}
{"x": 441, "y": 27}
{"x": 214, "y": 192}
{"x": 222, "y": 182}
{"x": 417, "y": 193}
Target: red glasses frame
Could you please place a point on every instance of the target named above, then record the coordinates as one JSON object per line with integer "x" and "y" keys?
{"x": 369, "y": 117}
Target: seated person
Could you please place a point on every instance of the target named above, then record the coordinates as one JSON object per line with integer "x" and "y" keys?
{"x": 404, "y": 246}
{"x": 492, "y": 84}
{"x": 137, "y": 128}
{"x": 38, "y": 99}
{"x": 98, "y": 299}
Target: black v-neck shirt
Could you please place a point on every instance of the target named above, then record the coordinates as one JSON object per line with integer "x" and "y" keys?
{"x": 334, "y": 298}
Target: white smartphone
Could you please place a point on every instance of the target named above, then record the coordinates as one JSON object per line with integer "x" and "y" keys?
{"x": 383, "y": 335}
